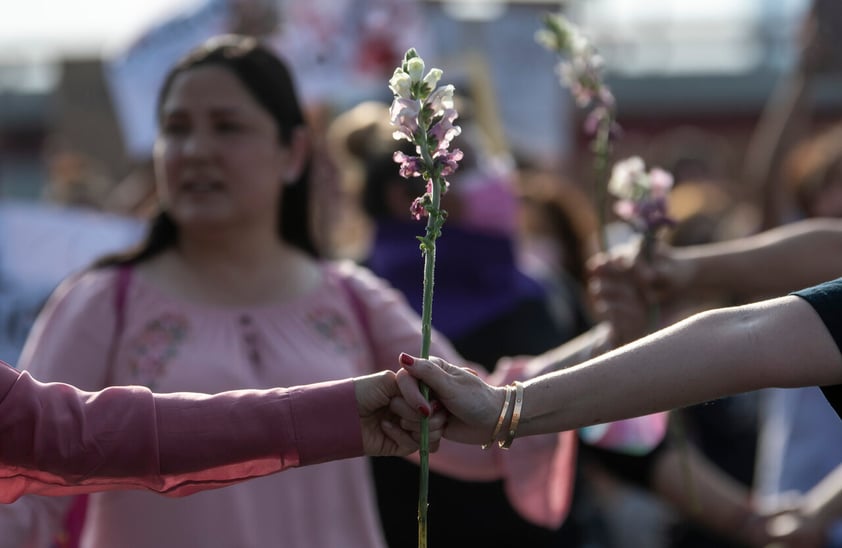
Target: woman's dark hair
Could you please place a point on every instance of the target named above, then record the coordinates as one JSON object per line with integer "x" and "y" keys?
{"x": 269, "y": 81}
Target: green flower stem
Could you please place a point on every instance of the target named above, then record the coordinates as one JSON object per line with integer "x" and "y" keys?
{"x": 602, "y": 150}
{"x": 426, "y": 321}
{"x": 428, "y": 245}
{"x": 648, "y": 251}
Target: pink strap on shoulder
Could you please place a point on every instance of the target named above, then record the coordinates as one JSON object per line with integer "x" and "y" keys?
{"x": 123, "y": 280}
{"x": 74, "y": 520}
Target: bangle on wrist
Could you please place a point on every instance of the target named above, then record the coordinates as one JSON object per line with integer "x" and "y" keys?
{"x": 510, "y": 433}
{"x": 501, "y": 419}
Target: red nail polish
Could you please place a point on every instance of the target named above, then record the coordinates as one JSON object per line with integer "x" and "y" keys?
{"x": 406, "y": 359}
{"x": 424, "y": 411}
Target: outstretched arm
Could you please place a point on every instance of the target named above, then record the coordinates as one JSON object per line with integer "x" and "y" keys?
{"x": 776, "y": 343}
{"x": 770, "y": 263}
{"x": 56, "y": 439}
{"x": 781, "y": 342}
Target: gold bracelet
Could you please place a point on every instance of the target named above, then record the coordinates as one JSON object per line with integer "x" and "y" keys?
{"x": 510, "y": 434}
{"x": 500, "y": 419}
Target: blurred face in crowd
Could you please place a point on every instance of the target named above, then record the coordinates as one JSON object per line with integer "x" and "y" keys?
{"x": 218, "y": 158}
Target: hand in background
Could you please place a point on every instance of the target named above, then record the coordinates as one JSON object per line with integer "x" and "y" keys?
{"x": 788, "y": 524}
{"x": 793, "y": 529}
{"x": 618, "y": 296}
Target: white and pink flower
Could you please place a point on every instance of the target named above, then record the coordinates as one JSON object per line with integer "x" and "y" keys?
{"x": 641, "y": 195}
{"x": 423, "y": 114}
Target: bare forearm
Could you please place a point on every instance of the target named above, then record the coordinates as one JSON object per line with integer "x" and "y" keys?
{"x": 710, "y": 355}
{"x": 771, "y": 263}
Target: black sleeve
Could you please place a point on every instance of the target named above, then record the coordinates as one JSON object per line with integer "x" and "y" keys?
{"x": 826, "y": 299}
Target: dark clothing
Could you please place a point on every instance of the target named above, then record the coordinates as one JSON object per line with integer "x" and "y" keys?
{"x": 826, "y": 299}
{"x": 488, "y": 309}
{"x": 476, "y": 276}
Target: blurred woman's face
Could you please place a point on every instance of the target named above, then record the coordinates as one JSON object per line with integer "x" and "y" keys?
{"x": 218, "y": 157}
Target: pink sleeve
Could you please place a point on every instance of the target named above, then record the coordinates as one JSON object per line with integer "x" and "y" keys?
{"x": 538, "y": 471}
{"x": 58, "y": 440}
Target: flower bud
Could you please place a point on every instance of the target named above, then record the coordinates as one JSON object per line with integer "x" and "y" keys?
{"x": 415, "y": 68}
{"x": 432, "y": 78}
{"x": 400, "y": 84}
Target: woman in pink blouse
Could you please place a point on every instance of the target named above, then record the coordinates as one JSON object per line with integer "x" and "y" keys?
{"x": 57, "y": 440}
{"x": 227, "y": 293}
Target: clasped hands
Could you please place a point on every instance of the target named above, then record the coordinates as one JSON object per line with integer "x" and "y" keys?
{"x": 391, "y": 406}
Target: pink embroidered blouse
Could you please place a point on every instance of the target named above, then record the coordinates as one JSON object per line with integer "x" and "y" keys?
{"x": 172, "y": 345}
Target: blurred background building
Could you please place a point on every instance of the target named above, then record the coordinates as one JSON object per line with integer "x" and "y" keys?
{"x": 698, "y": 84}
{"x": 673, "y": 65}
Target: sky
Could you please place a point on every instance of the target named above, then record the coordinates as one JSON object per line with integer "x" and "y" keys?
{"x": 34, "y": 31}
{"x": 39, "y": 29}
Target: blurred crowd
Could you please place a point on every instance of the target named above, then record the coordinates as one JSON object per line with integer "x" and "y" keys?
{"x": 519, "y": 272}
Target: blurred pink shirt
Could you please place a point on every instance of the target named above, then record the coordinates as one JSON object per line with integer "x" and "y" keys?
{"x": 172, "y": 345}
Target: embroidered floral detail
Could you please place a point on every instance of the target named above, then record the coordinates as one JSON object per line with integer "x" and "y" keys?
{"x": 155, "y": 347}
{"x": 251, "y": 339}
{"x": 335, "y": 328}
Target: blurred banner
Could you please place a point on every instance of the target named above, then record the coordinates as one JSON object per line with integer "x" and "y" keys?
{"x": 340, "y": 51}
{"x": 135, "y": 74}
{"x": 40, "y": 245}
{"x": 345, "y": 51}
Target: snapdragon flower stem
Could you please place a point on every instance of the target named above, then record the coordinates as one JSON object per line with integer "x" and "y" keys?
{"x": 434, "y": 221}
{"x": 648, "y": 252}
{"x": 601, "y": 150}
{"x": 424, "y": 452}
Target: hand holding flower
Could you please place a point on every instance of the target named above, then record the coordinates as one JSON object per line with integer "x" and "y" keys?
{"x": 665, "y": 273}
{"x": 473, "y": 404}
{"x": 381, "y": 432}
{"x": 617, "y": 296}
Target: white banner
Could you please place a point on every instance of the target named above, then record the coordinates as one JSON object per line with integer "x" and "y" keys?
{"x": 135, "y": 75}
{"x": 40, "y": 245}
{"x": 340, "y": 52}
